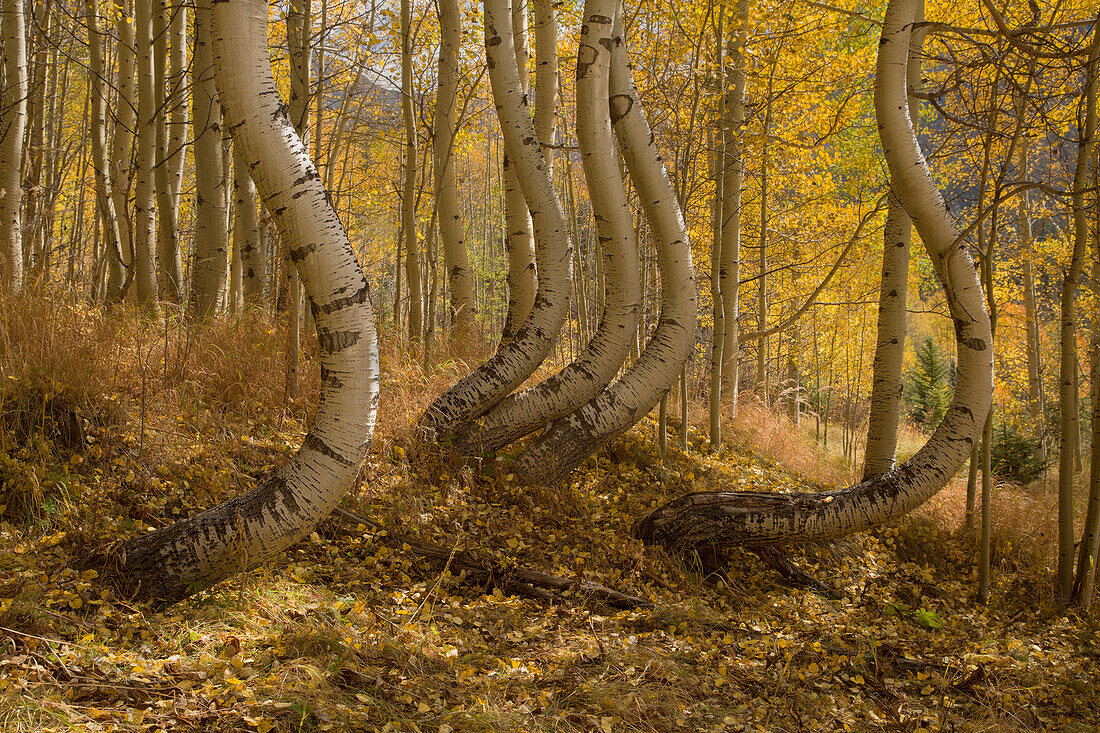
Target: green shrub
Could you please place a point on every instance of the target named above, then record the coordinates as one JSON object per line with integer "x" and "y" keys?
{"x": 1015, "y": 455}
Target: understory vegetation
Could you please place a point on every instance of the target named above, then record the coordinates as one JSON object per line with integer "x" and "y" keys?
{"x": 116, "y": 425}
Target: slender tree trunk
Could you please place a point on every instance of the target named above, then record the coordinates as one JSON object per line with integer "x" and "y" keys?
{"x": 762, "y": 284}
{"x": 1070, "y": 417}
{"x": 408, "y": 191}
{"x": 580, "y": 381}
{"x": 169, "y": 264}
{"x": 246, "y": 233}
{"x": 122, "y": 144}
{"x": 174, "y": 562}
{"x": 518, "y": 359}
{"x": 733, "y": 171}
{"x": 617, "y": 408}
{"x": 145, "y": 273}
{"x": 97, "y": 129}
{"x": 1033, "y": 345}
{"x": 460, "y": 278}
{"x": 210, "y": 261}
{"x": 13, "y": 117}
{"x": 519, "y": 237}
{"x": 701, "y": 519}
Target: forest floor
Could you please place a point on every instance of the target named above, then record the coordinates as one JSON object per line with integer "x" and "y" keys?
{"x": 344, "y": 633}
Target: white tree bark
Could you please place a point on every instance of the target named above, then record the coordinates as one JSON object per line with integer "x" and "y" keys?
{"x": 170, "y": 266}
{"x": 174, "y": 562}
{"x": 121, "y": 153}
{"x": 246, "y": 233}
{"x": 517, "y": 360}
{"x": 570, "y": 440}
{"x": 145, "y": 260}
{"x": 408, "y": 191}
{"x": 580, "y": 381}
{"x": 13, "y": 105}
{"x": 763, "y": 518}
{"x": 460, "y": 278}
{"x": 210, "y": 262}
{"x": 519, "y": 240}
{"x": 105, "y": 208}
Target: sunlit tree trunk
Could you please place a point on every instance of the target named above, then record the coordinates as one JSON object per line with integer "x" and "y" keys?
{"x": 517, "y": 360}
{"x": 298, "y": 26}
{"x": 518, "y": 233}
{"x": 580, "y": 381}
{"x": 408, "y": 191}
{"x": 176, "y": 561}
{"x": 105, "y": 208}
{"x": 762, "y": 252}
{"x": 751, "y": 518}
{"x": 170, "y": 268}
{"x": 13, "y": 117}
{"x": 121, "y": 144}
{"x": 718, "y": 160}
{"x": 210, "y": 261}
{"x": 1068, "y": 385}
{"x": 38, "y": 38}
{"x": 733, "y": 171}
{"x": 546, "y": 73}
{"x": 568, "y": 441}
{"x": 460, "y": 278}
{"x": 246, "y": 233}
{"x": 145, "y": 273}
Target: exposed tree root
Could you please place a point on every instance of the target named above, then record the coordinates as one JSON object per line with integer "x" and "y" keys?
{"x": 531, "y": 583}
{"x": 793, "y": 575}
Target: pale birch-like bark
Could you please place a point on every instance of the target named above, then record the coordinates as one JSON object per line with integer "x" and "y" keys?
{"x": 210, "y": 260}
{"x": 174, "y": 562}
{"x": 408, "y": 190}
{"x": 298, "y": 25}
{"x": 546, "y": 73}
{"x": 121, "y": 154}
{"x": 733, "y": 129}
{"x": 178, "y": 100}
{"x": 460, "y": 278}
{"x": 145, "y": 148}
{"x": 888, "y": 382}
{"x": 13, "y": 107}
{"x": 580, "y": 381}
{"x": 519, "y": 241}
{"x": 169, "y": 265}
{"x": 570, "y": 440}
{"x": 749, "y": 518}
{"x": 1069, "y": 422}
{"x": 247, "y": 253}
{"x": 718, "y": 161}
{"x": 517, "y": 360}
{"x": 105, "y": 209}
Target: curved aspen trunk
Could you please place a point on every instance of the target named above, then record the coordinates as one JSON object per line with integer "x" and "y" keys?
{"x": 121, "y": 153}
{"x": 145, "y": 273}
{"x": 519, "y": 239}
{"x": 580, "y": 381}
{"x": 13, "y": 107}
{"x": 888, "y": 381}
{"x": 750, "y": 518}
{"x": 456, "y": 263}
{"x": 174, "y": 562}
{"x": 408, "y": 192}
{"x": 573, "y": 438}
{"x": 729, "y": 272}
{"x": 105, "y": 207}
{"x": 517, "y": 360}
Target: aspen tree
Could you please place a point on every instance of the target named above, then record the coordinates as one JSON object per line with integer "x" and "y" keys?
{"x": 13, "y": 116}
{"x": 571, "y": 439}
{"x": 145, "y": 274}
{"x": 580, "y": 381}
{"x": 756, "y": 518}
{"x": 460, "y": 278}
{"x": 246, "y": 233}
{"x": 888, "y": 381}
{"x": 169, "y": 265}
{"x": 408, "y": 190}
{"x": 125, "y": 118}
{"x": 178, "y": 560}
{"x": 210, "y": 259}
{"x": 517, "y": 360}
